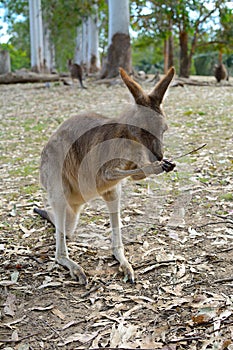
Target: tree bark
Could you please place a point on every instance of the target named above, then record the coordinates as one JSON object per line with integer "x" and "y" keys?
{"x": 78, "y": 56}
{"x": 14, "y": 78}
{"x": 170, "y": 46}
{"x": 49, "y": 51}
{"x": 119, "y": 48}
{"x": 170, "y": 51}
{"x": 166, "y": 55}
{"x": 5, "y": 63}
{"x": 184, "y": 57}
{"x": 84, "y": 43}
{"x": 93, "y": 43}
{"x": 36, "y": 36}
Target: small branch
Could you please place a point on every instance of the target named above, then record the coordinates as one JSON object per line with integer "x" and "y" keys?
{"x": 93, "y": 289}
{"x": 18, "y": 340}
{"x": 185, "y": 339}
{"x": 119, "y": 349}
{"x": 229, "y": 279}
{"x": 225, "y": 250}
{"x": 193, "y": 151}
{"x": 154, "y": 264}
{"x": 226, "y": 217}
{"x": 214, "y": 223}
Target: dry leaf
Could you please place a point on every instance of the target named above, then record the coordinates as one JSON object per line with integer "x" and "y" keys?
{"x": 120, "y": 335}
{"x": 10, "y": 306}
{"x": 14, "y": 335}
{"x": 204, "y": 315}
{"x": 42, "y": 308}
{"x": 82, "y": 338}
{"x": 69, "y": 324}
{"x": 14, "y": 276}
{"x": 50, "y": 284}
{"x": 58, "y": 313}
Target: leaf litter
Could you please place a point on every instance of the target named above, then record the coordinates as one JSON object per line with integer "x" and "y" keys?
{"x": 177, "y": 230}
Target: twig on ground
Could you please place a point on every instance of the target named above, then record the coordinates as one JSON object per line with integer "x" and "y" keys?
{"x": 57, "y": 332}
{"x": 185, "y": 339}
{"x": 18, "y": 340}
{"x": 225, "y": 250}
{"x": 93, "y": 289}
{"x": 214, "y": 223}
{"x": 191, "y": 152}
{"x": 229, "y": 279}
{"x": 154, "y": 264}
{"x": 228, "y": 217}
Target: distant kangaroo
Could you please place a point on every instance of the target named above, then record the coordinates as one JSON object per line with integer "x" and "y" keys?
{"x": 90, "y": 154}
{"x": 76, "y": 72}
{"x": 220, "y": 72}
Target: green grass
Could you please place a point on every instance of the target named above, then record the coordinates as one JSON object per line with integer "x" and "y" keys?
{"x": 227, "y": 196}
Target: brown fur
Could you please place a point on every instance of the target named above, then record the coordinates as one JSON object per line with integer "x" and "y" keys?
{"x": 76, "y": 72}
{"x": 220, "y": 72}
{"x": 89, "y": 155}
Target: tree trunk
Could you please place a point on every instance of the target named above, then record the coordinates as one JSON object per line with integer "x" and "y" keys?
{"x": 165, "y": 55}
{"x": 93, "y": 44}
{"x": 170, "y": 51}
{"x": 36, "y": 36}
{"x": 184, "y": 57}
{"x": 119, "y": 48}
{"x": 84, "y": 43}
{"x": 78, "y": 56}
{"x": 49, "y": 51}
{"x": 5, "y": 63}
{"x": 170, "y": 46}
{"x": 220, "y": 57}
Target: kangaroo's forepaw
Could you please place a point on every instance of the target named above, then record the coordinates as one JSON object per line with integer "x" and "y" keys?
{"x": 167, "y": 165}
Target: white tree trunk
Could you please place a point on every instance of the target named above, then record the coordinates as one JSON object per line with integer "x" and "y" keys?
{"x": 78, "y": 56}
{"x": 119, "y": 49}
{"x": 85, "y": 43}
{"x": 93, "y": 43}
{"x": 49, "y": 51}
{"x": 118, "y": 18}
{"x": 36, "y": 36}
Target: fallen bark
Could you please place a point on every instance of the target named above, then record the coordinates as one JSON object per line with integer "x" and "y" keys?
{"x": 27, "y": 77}
{"x": 195, "y": 82}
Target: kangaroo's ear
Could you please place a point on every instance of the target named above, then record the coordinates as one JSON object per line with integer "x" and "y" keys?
{"x": 140, "y": 97}
{"x": 157, "y": 94}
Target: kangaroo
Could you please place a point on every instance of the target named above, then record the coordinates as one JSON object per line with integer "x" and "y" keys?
{"x": 220, "y": 72}
{"x": 76, "y": 72}
{"x": 89, "y": 155}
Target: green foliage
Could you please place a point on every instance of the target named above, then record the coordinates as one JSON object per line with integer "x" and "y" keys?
{"x": 147, "y": 54}
{"x": 152, "y": 22}
{"x": 224, "y": 35}
{"x": 19, "y": 57}
{"x": 204, "y": 63}
{"x": 190, "y": 17}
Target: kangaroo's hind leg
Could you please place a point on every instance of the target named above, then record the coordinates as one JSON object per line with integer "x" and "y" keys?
{"x": 65, "y": 220}
{"x": 112, "y": 199}
{"x": 72, "y": 217}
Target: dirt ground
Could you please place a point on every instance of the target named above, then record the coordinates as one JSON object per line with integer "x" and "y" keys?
{"x": 177, "y": 230}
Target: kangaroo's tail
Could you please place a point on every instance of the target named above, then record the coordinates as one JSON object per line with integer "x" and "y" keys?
{"x": 43, "y": 214}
